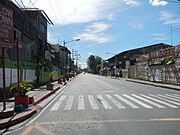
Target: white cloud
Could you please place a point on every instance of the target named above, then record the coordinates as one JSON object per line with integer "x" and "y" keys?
{"x": 90, "y": 53}
{"x": 131, "y": 2}
{"x": 80, "y": 11}
{"x": 169, "y": 18}
{"x": 95, "y": 32}
{"x": 159, "y": 37}
{"x": 158, "y": 2}
{"x": 49, "y": 36}
{"x": 136, "y": 25}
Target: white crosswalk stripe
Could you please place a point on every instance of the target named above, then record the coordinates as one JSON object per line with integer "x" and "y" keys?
{"x": 148, "y": 101}
{"x": 92, "y": 102}
{"x": 116, "y": 101}
{"x": 168, "y": 97}
{"x": 173, "y": 96}
{"x": 69, "y": 103}
{"x": 104, "y": 102}
{"x": 81, "y": 103}
{"x": 119, "y": 105}
{"x": 137, "y": 101}
{"x": 177, "y": 95}
{"x": 126, "y": 101}
{"x": 160, "y": 101}
{"x": 58, "y": 103}
{"x": 173, "y": 102}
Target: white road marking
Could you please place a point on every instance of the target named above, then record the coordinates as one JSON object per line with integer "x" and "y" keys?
{"x": 126, "y": 101}
{"x": 174, "y": 96}
{"x": 137, "y": 101}
{"x": 58, "y": 103}
{"x": 81, "y": 103}
{"x": 118, "y": 104}
{"x": 92, "y": 102}
{"x": 160, "y": 101}
{"x": 170, "y": 101}
{"x": 104, "y": 103}
{"x": 168, "y": 97}
{"x": 148, "y": 101}
{"x": 69, "y": 103}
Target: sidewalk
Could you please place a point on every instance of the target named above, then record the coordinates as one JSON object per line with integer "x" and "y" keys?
{"x": 39, "y": 95}
{"x": 169, "y": 86}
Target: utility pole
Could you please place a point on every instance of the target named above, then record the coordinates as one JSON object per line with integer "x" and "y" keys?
{"x": 64, "y": 54}
{"x": 171, "y": 36}
{"x": 77, "y": 56}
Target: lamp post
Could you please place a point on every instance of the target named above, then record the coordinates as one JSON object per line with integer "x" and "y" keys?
{"x": 64, "y": 43}
{"x": 115, "y": 62}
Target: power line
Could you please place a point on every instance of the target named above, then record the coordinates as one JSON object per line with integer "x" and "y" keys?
{"x": 57, "y": 19}
{"x": 62, "y": 15}
{"x": 32, "y": 3}
{"x": 18, "y": 3}
{"x": 163, "y": 36}
{"x": 22, "y": 4}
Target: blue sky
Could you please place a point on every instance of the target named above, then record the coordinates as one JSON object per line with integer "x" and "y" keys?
{"x": 110, "y": 25}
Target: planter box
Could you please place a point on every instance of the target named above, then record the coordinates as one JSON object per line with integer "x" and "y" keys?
{"x": 21, "y": 100}
{"x": 64, "y": 80}
{"x": 31, "y": 100}
{"x": 60, "y": 81}
{"x": 49, "y": 86}
{"x": 67, "y": 78}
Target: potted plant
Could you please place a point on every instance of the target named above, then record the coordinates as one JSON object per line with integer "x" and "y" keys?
{"x": 49, "y": 85}
{"x": 60, "y": 79}
{"x": 22, "y": 98}
{"x": 67, "y": 76}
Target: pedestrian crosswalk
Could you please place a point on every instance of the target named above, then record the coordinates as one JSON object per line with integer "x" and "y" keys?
{"x": 116, "y": 101}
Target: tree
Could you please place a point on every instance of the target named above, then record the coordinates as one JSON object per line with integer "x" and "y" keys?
{"x": 91, "y": 64}
{"x": 94, "y": 64}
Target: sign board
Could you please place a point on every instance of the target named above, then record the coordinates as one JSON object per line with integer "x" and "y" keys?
{"x": 6, "y": 26}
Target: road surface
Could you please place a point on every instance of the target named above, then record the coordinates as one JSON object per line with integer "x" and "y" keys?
{"x": 97, "y": 105}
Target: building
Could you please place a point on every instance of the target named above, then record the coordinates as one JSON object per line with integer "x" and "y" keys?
{"x": 40, "y": 20}
{"x": 61, "y": 57}
{"x": 30, "y": 30}
{"x": 118, "y": 65}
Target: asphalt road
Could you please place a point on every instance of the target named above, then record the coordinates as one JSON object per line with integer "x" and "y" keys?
{"x": 96, "y": 105}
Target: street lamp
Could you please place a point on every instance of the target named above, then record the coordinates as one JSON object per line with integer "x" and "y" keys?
{"x": 115, "y": 63}
{"x": 64, "y": 43}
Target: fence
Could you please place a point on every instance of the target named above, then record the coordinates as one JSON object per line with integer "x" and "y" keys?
{"x": 28, "y": 71}
{"x": 159, "y": 73}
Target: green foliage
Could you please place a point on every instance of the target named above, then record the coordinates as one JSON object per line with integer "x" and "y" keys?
{"x": 94, "y": 64}
{"x": 61, "y": 76}
{"x": 45, "y": 64}
{"x": 25, "y": 86}
{"x": 52, "y": 74}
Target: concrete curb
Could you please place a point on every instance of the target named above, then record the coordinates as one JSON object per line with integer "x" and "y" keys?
{"x": 154, "y": 84}
{"x": 18, "y": 120}
{"x": 6, "y": 114}
{"x": 45, "y": 96}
